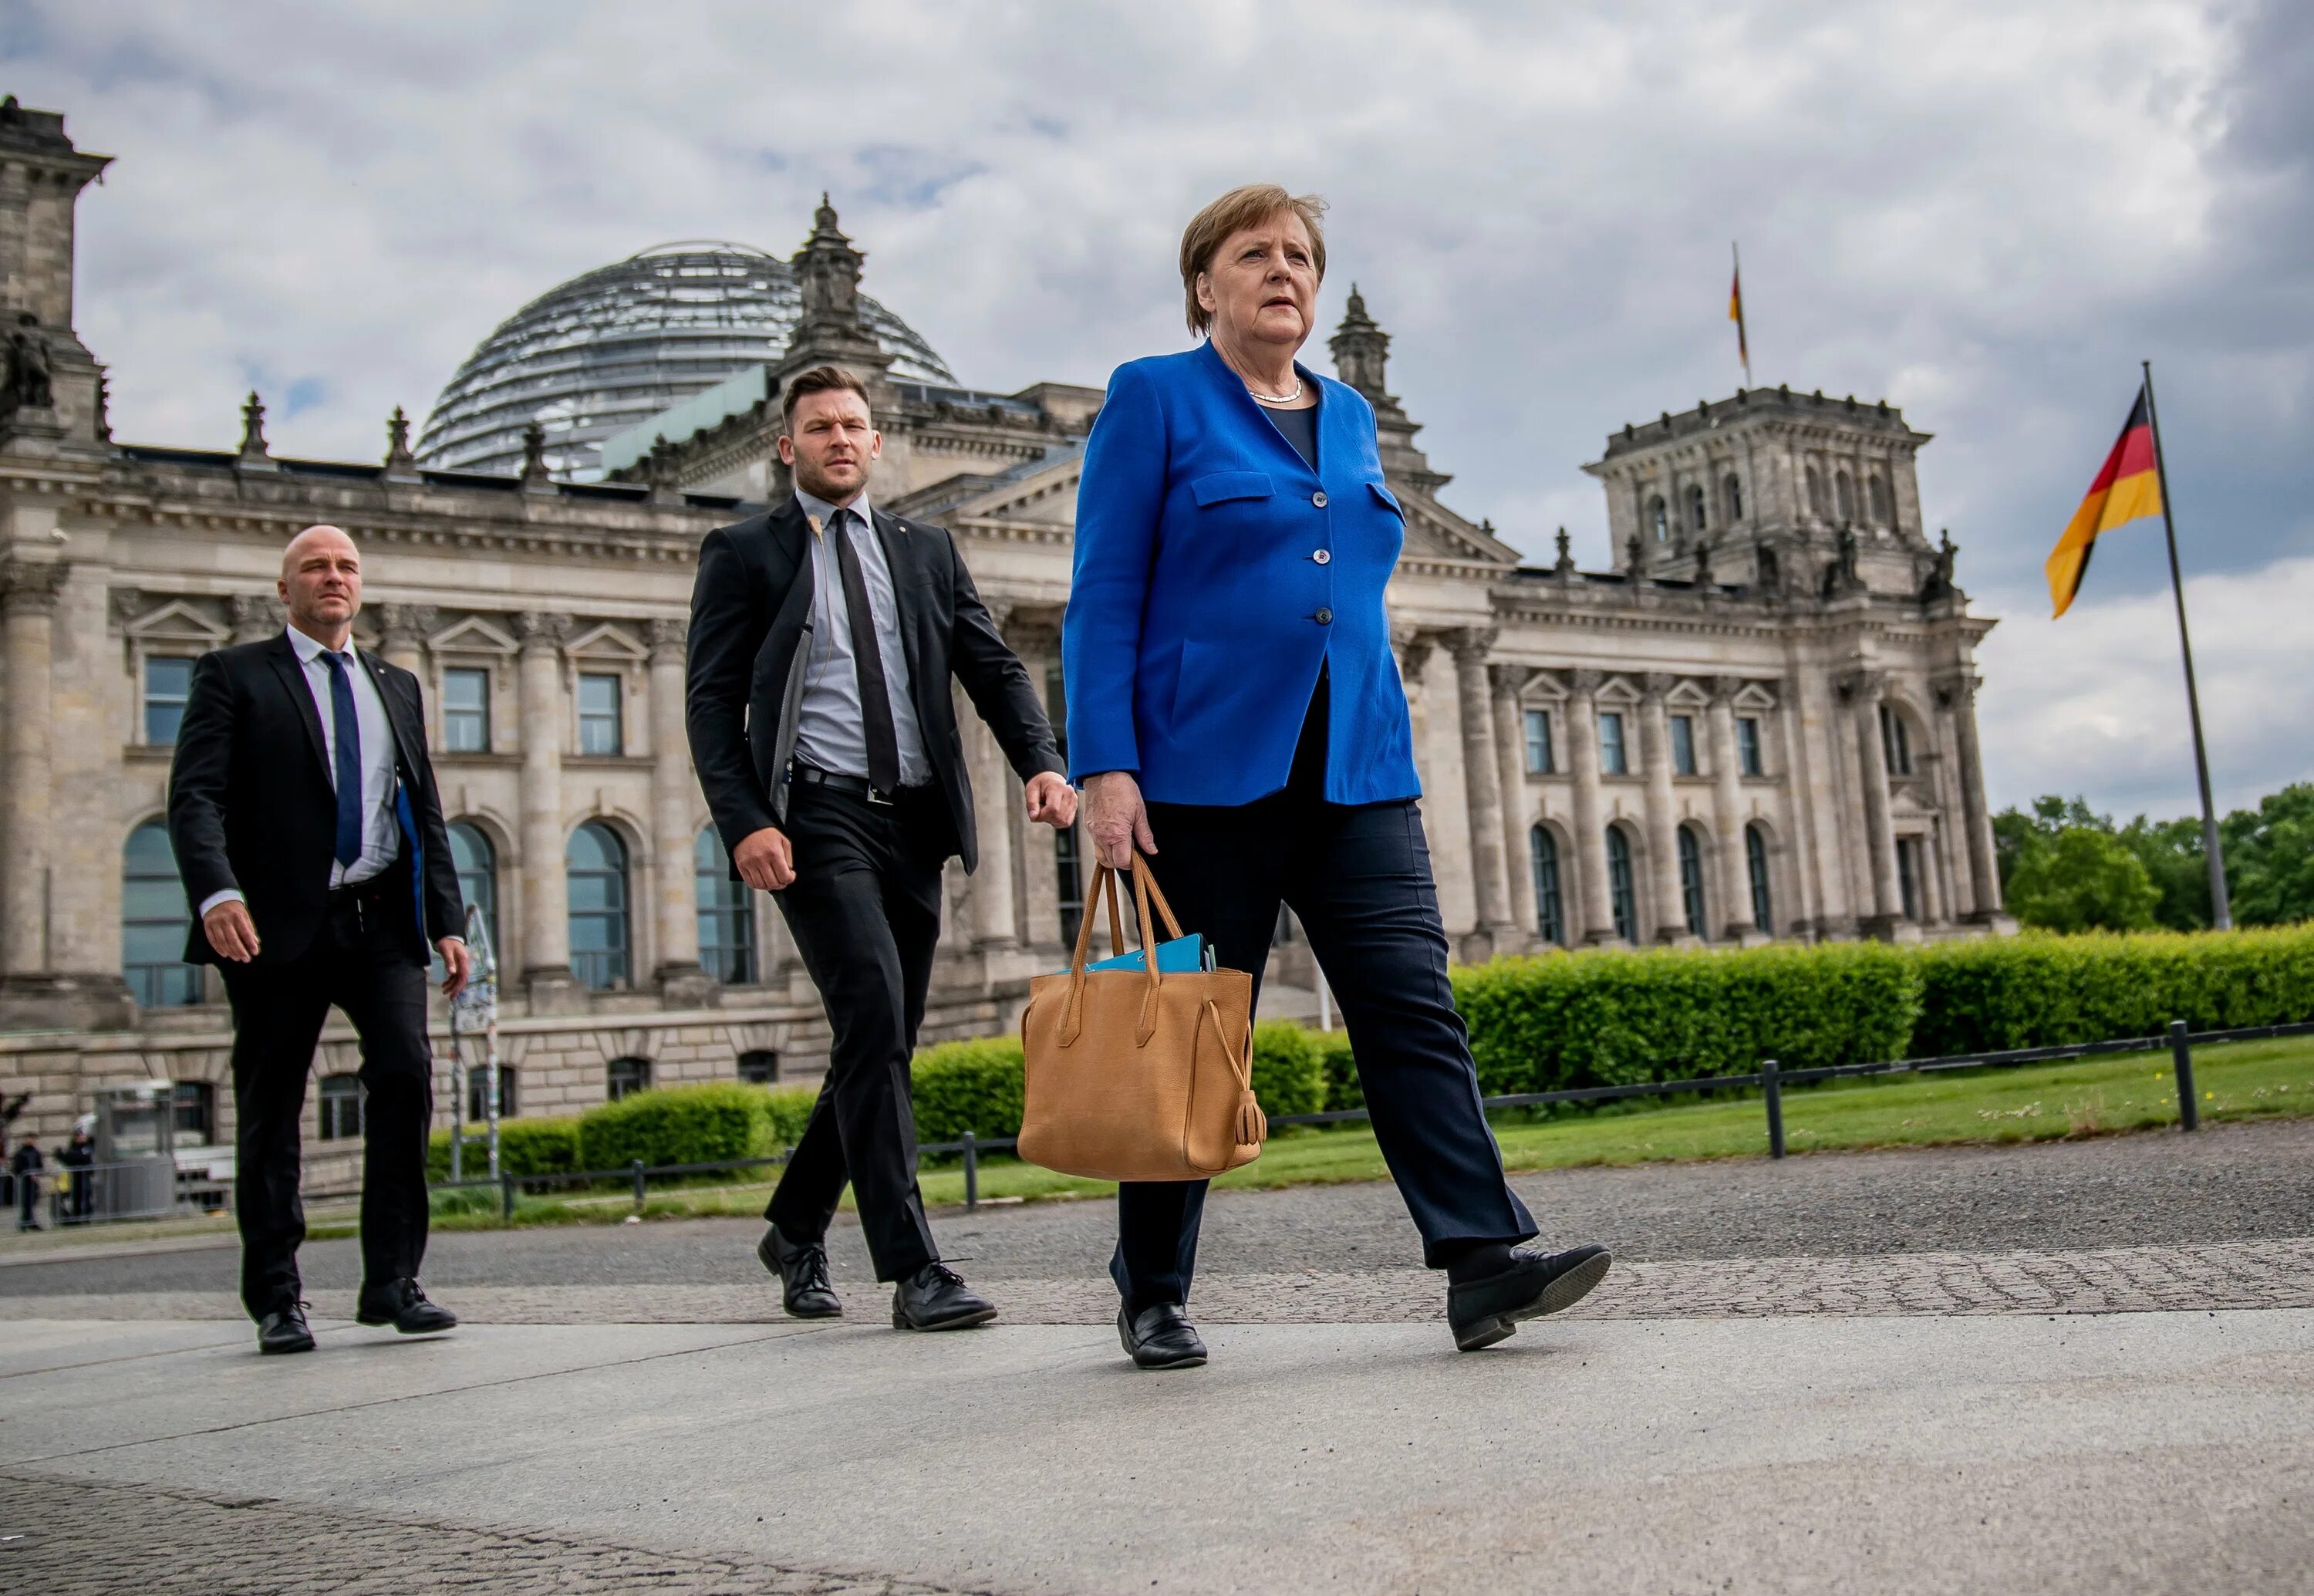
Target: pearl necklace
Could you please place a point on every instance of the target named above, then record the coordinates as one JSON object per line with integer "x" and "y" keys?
{"x": 1274, "y": 401}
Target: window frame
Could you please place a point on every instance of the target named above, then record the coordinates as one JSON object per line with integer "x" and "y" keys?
{"x": 1731, "y": 488}
{"x": 1614, "y": 753}
{"x": 726, "y": 912}
{"x": 616, "y": 715}
{"x": 1682, "y": 737}
{"x": 488, "y": 876}
{"x": 1659, "y": 513}
{"x": 1623, "y": 891}
{"x": 638, "y": 1072}
{"x": 759, "y": 1077}
{"x": 1549, "y": 900}
{"x": 1911, "y": 861}
{"x": 456, "y": 715}
{"x": 1896, "y": 741}
{"x": 478, "y": 1087}
{"x": 198, "y": 1099}
{"x": 330, "y": 1099}
{"x": 1693, "y": 903}
{"x": 1755, "y": 862}
{"x": 174, "y": 702}
{"x": 157, "y": 983}
{"x": 1751, "y": 747}
{"x": 1537, "y": 726}
{"x": 1699, "y": 508}
{"x": 615, "y": 972}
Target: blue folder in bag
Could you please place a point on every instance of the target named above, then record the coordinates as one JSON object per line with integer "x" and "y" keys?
{"x": 1180, "y": 956}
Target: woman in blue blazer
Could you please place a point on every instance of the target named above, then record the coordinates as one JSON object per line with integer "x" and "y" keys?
{"x": 1234, "y": 712}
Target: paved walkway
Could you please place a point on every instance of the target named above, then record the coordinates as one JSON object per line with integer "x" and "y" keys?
{"x": 1839, "y": 1373}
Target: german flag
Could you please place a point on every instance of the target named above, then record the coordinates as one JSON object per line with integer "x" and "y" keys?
{"x": 2128, "y": 489}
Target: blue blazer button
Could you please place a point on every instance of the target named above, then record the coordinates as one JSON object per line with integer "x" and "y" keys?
{"x": 1324, "y": 617}
{"x": 1319, "y": 498}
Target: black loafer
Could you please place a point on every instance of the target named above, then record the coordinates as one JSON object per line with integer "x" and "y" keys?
{"x": 935, "y": 1298}
{"x": 804, "y": 1290}
{"x": 285, "y": 1330}
{"x": 1482, "y": 1312}
{"x": 1161, "y": 1337}
{"x": 404, "y": 1305}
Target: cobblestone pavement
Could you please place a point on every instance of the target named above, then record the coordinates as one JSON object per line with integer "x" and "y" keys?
{"x": 2229, "y": 1183}
{"x": 2110, "y": 1280}
{"x": 79, "y": 1538}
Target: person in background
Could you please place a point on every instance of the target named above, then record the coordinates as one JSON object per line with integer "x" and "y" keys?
{"x": 25, "y": 1166}
{"x": 1235, "y": 712}
{"x": 79, "y": 1157}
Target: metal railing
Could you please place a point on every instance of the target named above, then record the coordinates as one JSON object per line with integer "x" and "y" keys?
{"x": 71, "y": 1195}
{"x": 1770, "y": 1079}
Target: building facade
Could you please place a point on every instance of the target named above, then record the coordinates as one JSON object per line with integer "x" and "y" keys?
{"x": 1759, "y": 724}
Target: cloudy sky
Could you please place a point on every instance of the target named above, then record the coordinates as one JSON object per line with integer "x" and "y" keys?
{"x": 1986, "y": 212}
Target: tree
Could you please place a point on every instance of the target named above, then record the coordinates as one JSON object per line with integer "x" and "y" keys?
{"x": 2270, "y": 858}
{"x": 2083, "y": 880}
{"x": 2172, "y": 854}
{"x": 2016, "y": 833}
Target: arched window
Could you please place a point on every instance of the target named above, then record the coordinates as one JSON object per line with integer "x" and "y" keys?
{"x": 1690, "y": 880}
{"x": 342, "y": 1107}
{"x": 154, "y": 920}
{"x": 1815, "y": 491}
{"x": 478, "y": 877}
{"x": 1896, "y": 741}
{"x": 727, "y": 919}
{"x": 595, "y": 867}
{"x": 1697, "y": 516}
{"x": 625, "y": 1077}
{"x": 1755, "y": 858}
{"x": 1659, "y": 517}
{"x": 1619, "y": 885}
{"x": 1844, "y": 488}
{"x": 1542, "y": 859}
{"x": 1883, "y": 512}
{"x": 1733, "y": 490}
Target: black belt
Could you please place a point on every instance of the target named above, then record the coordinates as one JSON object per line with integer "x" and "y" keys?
{"x": 370, "y": 889}
{"x": 856, "y": 786}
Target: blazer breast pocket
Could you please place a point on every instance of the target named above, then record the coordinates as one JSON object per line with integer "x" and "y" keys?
{"x": 1223, "y": 486}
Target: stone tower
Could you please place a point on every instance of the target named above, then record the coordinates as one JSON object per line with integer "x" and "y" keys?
{"x": 49, "y": 392}
{"x": 1361, "y": 353}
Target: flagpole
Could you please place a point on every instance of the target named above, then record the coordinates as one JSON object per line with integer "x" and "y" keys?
{"x": 1743, "y": 332}
{"x": 2221, "y": 912}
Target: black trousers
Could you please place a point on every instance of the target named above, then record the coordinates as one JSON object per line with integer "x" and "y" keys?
{"x": 1358, "y": 877}
{"x": 359, "y": 962}
{"x": 865, "y": 911}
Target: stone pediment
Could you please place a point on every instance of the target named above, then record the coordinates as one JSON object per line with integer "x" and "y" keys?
{"x": 473, "y": 635}
{"x": 1437, "y": 532}
{"x": 1041, "y": 492}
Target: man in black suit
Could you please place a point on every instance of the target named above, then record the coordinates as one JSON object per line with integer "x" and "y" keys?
{"x": 823, "y": 635}
{"x": 309, "y": 835}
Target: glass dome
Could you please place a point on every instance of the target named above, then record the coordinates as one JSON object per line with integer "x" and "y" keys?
{"x": 619, "y": 345}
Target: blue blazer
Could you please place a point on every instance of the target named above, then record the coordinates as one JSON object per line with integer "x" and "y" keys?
{"x": 1215, "y": 574}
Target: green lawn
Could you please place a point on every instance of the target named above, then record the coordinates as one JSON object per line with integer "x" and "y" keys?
{"x": 2136, "y": 1091}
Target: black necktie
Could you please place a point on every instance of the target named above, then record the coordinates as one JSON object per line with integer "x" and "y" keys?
{"x": 874, "y": 698}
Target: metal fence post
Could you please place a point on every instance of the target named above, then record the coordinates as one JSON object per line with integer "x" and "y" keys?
{"x": 1773, "y": 1088}
{"x": 642, "y": 1185}
{"x": 2181, "y": 1054}
{"x": 506, "y": 1195}
{"x": 971, "y": 1173}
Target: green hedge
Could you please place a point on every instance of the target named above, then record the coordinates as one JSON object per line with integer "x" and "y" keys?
{"x": 692, "y": 1125}
{"x": 1289, "y": 1071}
{"x": 2037, "y": 990}
{"x": 525, "y": 1147}
{"x": 1613, "y": 1017}
{"x": 1343, "y": 1088}
{"x": 967, "y": 1085}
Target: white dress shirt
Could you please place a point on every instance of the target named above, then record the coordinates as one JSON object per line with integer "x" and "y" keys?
{"x": 381, "y": 831}
{"x": 830, "y": 734}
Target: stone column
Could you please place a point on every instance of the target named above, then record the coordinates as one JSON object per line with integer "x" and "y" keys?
{"x": 1414, "y": 649}
{"x": 1959, "y": 692}
{"x": 1663, "y": 819}
{"x": 1510, "y": 752}
{"x": 543, "y": 912}
{"x": 1862, "y": 690}
{"x": 1482, "y": 777}
{"x": 1728, "y": 815}
{"x": 994, "y": 796}
{"x": 675, "y": 899}
{"x": 1597, "y": 912}
{"x": 28, "y": 593}
{"x": 402, "y": 632}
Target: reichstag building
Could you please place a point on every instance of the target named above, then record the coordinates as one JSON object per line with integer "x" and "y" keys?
{"x": 1759, "y": 724}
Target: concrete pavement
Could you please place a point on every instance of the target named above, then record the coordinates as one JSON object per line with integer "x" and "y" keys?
{"x": 2151, "y": 1451}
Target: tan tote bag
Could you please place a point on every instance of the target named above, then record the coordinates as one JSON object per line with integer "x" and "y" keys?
{"x": 1139, "y": 1074}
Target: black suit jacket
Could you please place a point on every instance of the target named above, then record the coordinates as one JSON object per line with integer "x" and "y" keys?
{"x": 751, "y": 611}
{"x": 252, "y": 805}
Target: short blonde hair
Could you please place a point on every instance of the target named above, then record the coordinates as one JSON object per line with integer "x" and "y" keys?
{"x": 1233, "y": 212}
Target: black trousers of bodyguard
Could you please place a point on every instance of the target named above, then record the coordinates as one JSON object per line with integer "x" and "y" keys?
{"x": 865, "y": 911}
{"x": 1358, "y": 878}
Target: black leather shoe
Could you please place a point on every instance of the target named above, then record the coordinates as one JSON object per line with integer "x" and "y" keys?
{"x": 1161, "y": 1337}
{"x": 1485, "y": 1311}
{"x": 404, "y": 1305}
{"x": 285, "y": 1330}
{"x": 804, "y": 1290}
{"x": 935, "y": 1298}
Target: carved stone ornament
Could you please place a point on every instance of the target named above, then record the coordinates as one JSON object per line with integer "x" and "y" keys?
{"x": 32, "y": 587}
{"x": 27, "y": 384}
{"x": 544, "y": 627}
{"x": 666, "y": 633}
{"x": 253, "y": 429}
{"x": 1585, "y": 683}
